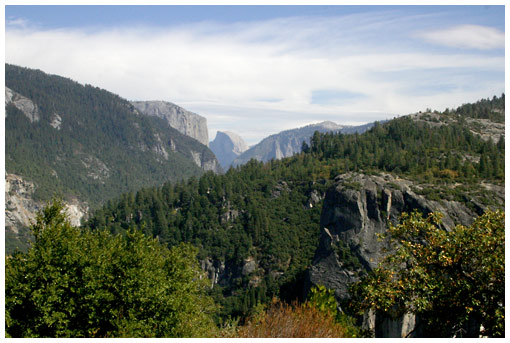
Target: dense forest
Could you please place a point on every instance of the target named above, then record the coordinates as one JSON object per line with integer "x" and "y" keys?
{"x": 229, "y": 250}
{"x": 416, "y": 151}
{"x": 100, "y": 148}
{"x": 270, "y": 212}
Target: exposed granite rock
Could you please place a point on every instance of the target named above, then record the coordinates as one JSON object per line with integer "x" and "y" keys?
{"x": 249, "y": 266}
{"x": 56, "y": 121}
{"x": 23, "y": 104}
{"x": 227, "y": 146}
{"x": 314, "y": 199}
{"x": 485, "y": 128}
{"x": 187, "y": 123}
{"x": 96, "y": 169}
{"x": 229, "y": 215}
{"x": 215, "y": 270}
{"x": 279, "y": 188}
{"x": 21, "y": 209}
{"x": 205, "y": 163}
{"x": 356, "y": 209}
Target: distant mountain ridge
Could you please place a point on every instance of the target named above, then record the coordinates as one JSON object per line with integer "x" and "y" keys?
{"x": 279, "y": 228}
{"x": 88, "y": 145}
{"x": 186, "y": 122}
{"x": 227, "y": 146}
{"x": 290, "y": 142}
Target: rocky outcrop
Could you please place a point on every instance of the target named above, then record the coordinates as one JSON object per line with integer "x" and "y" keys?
{"x": 56, "y": 121}
{"x": 290, "y": 142}
{"x": 355, "y": 211}
{"x": 187, "y": 123}
{"x": 21, "y": 209}
{"x": 484, "y": 128}
{"x": 227, "y": 146}
{"x": 24, "y": 104}
{"x": 215, "y": 270}
{"x": 223, "y": 274}
{"x": 206, "y": 162}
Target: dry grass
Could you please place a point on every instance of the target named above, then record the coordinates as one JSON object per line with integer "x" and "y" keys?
{"x": 291, "y": 321}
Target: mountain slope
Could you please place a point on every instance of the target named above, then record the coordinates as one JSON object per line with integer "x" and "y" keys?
{"x": 260, "y": 227}
{"x": 227, "y": 146}
{"x": 289, "y": 142}
{"x": 89, "y": 145}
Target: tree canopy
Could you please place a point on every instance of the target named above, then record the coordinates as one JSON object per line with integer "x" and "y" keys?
{"x": 79, "y": 283}
{"x": 454, "y": 281}
{"x": 269, "y": 212}
{"x": 102, "y": 148}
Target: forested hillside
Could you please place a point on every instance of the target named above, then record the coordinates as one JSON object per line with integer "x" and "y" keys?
{"x": 257, "y": 226}
{"x": 101, "y": 146}
{"x": 88, "y": 145}
{"x": 288, "y": 248}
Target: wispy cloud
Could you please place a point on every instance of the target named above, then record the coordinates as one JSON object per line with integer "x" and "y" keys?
{"x": 467, "y": 37}
{"x": 258, "y": 78}
{"x": 16, "y": 23}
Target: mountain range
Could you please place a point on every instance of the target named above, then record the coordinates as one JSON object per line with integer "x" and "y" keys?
{"x": 290, "y": 142}
{"x": 88, "y": 145}
{"x": 279, "y": 228}
{"x": 303, "y": 208}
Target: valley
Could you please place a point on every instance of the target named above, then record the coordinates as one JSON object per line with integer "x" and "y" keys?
{"x": 300, "y": 210}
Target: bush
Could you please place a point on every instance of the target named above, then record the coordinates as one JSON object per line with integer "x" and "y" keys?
{"x": 75, "y": 283}
{"x": 453, "y": 280}
{"x": 292, "y": 321}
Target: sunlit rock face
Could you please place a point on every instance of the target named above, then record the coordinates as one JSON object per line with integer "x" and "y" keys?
{"x": 227, "y": 146}
{"x": 187, "y": 123}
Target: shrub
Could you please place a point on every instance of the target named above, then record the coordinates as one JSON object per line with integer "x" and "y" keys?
{"x": 78, "y": 283}
{"x": 281, "y": 320}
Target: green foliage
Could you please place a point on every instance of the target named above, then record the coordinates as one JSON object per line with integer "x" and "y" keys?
{"x": 345, "y": 254}
{"x": 445, "y": 154}
{"x": 74, "y": 283}
{"x": 103, "y": 147}
{"x": 451, "y": 279}
{"x": 323, "y": 299}
{"x": 262, "y": 210}
{"x": 257, "y": 210}
{"x": 492, "y": 109}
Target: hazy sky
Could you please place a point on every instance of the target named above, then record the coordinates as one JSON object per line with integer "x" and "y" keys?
{"x": 258, "y": 70}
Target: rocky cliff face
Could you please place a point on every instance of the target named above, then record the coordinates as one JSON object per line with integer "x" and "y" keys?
{"x": 83, "y": 142}
{"x": 288, "y": 143}
{"x": 23, "y": 104}
{"x": 358, "y": 208}
{"x": 227, "y": 146}
{"x": 206, "y": 161}
{"x": 187, "y": 123}
{"x": 21, "y": 210}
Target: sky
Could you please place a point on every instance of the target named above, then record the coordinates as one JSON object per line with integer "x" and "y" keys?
{"x": 259, "y": 70}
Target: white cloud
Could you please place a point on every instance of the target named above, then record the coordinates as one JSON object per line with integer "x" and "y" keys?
{"x": 16, "y": 22}
{"x": 225, "y": 72}
{"x": 468, "y": 37}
